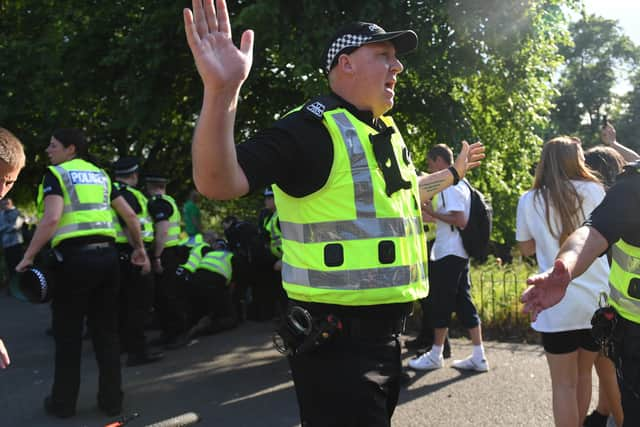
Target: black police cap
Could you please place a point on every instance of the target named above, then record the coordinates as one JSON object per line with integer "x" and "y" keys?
{"x": 35, "y": 285}
{"x": 156, "y": 178}
{"x": 126, "y": 166}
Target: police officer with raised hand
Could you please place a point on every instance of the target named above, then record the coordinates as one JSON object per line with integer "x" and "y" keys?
{"x": 136, "y": 289}
{"x": 167, "y": 254}
{"x": 614, "y": 224}
{"x": 348, "y": 199}
{"x": 75, "y": 199}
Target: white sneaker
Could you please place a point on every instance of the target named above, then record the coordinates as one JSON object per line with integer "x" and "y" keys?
{"x": 426, "y": 362}
{"x": 469, "y": 364}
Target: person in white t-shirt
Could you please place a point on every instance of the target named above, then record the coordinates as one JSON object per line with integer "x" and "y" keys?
{"x": 450, "y": 285}
{"x": 564, "y": 193}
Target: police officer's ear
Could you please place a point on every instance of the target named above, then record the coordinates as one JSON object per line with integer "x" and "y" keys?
{"x": 345, "y": 64}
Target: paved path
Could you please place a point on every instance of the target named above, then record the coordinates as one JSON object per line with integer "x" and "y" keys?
{"x": 237, "y": 379}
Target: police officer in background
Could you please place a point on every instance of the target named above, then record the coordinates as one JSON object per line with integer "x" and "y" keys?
{"x": 614, "y": 224}
{"x": 272, "y": 236}
{"x": 349, "y": 205}
{"x": 75, "y": 200}
{"x": 136, "y": 286}
{"x": 167, "y": 254}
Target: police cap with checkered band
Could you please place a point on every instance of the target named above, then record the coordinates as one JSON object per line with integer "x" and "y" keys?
{"x": 355, "y": 34}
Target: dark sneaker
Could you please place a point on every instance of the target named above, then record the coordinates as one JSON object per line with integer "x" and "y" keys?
{"x": 53, "y": 409}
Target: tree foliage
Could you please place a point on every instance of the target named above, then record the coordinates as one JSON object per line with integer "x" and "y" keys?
{"x": 122, "y": 71}
{"x": 598, "y": 51}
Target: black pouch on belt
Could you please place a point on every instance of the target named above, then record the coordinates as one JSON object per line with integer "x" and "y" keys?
{"x": 604, "y": 329}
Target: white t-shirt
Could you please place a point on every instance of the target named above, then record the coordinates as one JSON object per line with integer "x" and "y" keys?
{"x": 448, "y": 240}
{"x": 575, "y": 310}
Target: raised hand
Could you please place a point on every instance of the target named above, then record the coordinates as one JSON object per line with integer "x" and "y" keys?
{"x": 608, "y": 134}
{"x": 222, "y": 66}
{"x": 545, "y": 289}
{"x": 470, "y": 157}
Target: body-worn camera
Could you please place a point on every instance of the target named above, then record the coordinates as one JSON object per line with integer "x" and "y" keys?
{"x": 299, "y": 332}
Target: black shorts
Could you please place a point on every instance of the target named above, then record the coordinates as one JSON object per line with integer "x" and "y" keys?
{"x": 568, "y": 341}
{"x": 449, "y": 292}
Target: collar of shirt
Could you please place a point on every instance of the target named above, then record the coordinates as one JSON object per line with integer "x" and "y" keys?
{"x": 362, "y": 115}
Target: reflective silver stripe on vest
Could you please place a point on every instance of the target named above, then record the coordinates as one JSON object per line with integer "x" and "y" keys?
{"x": 174, "y": 224}
{"x": 371, "y": 278}
{"x": 627, "y": 262}
{"x": 83, "y": 226}
{"x": 630, "y": 305}
{"x": 73, "y": 195}
{"x": 172, "y": 237}
{"x": 365, "y": 228}
{"x": 360, "y": 173}
{"x": 74, "y": 207}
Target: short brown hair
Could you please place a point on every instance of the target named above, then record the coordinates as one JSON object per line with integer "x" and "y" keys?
{"x": 443, "y": 151}
{"x": 11, "y": 149}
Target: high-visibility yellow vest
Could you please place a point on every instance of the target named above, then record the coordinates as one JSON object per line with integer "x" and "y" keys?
{"x": 86, "y": 191}
{"x": 218, "y": 261}
{"x": 195, "y": 256}
{"x": 173, "y": 233}
{"x": 192, "y": 241}
{"x": 625, "y": 272}
{"x": 349, "y": 243}
{"x": 275, "y": 235}
{"x": 146, "y": 225}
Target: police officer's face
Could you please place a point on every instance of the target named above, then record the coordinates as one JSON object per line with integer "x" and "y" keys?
{"x": 8, "y": 177}
{"x": 58, "y": 153}
{"x": 376, "y": 67}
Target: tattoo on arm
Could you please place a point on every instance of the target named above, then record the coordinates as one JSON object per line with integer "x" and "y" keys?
{"x": 432, "y": 186}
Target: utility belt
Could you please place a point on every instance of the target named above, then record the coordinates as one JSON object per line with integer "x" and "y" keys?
{"x": 301, "y": 331}
{"x": 70, "y": 249}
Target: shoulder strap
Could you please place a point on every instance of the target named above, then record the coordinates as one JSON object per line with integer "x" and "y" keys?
{"x": 316, "y": 107}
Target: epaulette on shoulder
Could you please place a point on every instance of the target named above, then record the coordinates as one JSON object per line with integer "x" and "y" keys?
{"x": 316, "y": 107}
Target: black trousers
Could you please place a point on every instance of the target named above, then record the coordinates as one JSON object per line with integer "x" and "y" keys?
{"x": 170, "y": 296}
{"x": 86, "y": 285}
{"x": 136, "y": 296}
{"x": 210, "y": 296}
{"x": 348, "y": 382}
{"x": 629, "y": 379}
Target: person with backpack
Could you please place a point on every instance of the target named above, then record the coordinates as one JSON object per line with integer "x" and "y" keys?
{"x": 449, "y": 271}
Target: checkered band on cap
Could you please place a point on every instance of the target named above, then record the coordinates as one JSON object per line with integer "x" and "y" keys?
{"x": 342, "y": 42}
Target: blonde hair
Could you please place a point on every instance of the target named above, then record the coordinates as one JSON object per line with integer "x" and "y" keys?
{"x": 561, "y": 161}
{"x": 11, "y": 150}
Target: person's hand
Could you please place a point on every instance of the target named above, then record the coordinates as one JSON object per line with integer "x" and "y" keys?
{"x": 470, "y": 157}
{"x": 277, "y": 266}
{"x": 139, "y": 257}
{"x": 157, "y": 266}
{"x": 545, "y": 289}
{"x": 4, "y": 356}
{"x": 220, "y": 63}
{"x": 427, "y": 212}
{"x": 24, "y": 264}
{"x": 608, "y": 135}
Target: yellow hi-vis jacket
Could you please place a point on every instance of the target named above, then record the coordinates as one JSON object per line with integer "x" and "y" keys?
{"x": 350, "y": 243}
{"x": 86, "y": 191}
{"x": 146, "y": 225}
{"x": 218, "y": 261}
